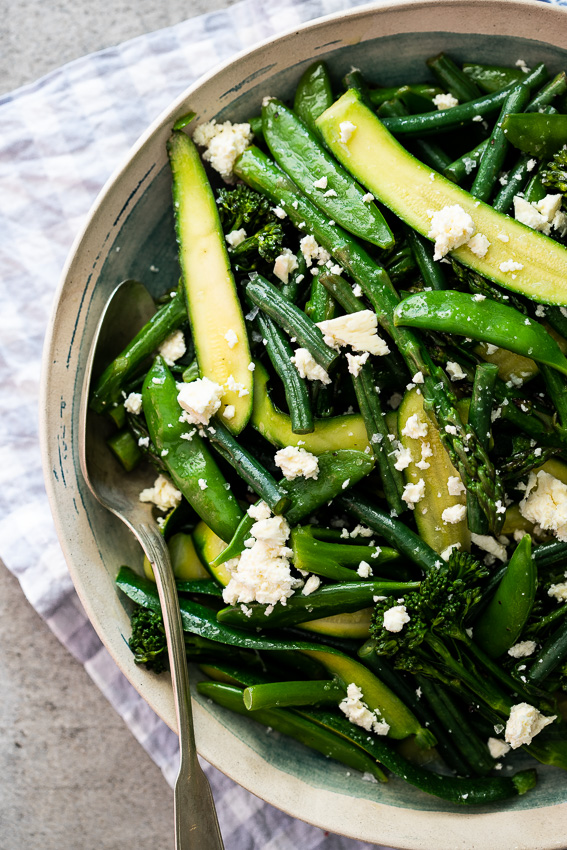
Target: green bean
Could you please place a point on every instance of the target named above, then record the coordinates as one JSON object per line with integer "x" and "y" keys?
{"x": 515, "y": 181}
{"x": 461, "y": 167}
{"x": 394, "y": 532}
{"x": 551, "y": 553}
{"x": 282, "y": 694}
{"x": 328, "y": 601}
{"x": 556, "y": 389}
{"x": 313, "y": 94}
{"x": 431, "y": 271}
{"x": 459, "y": 116}
{"x": 296, "y": 393}
{"x": 248, "y": 468}
{"x": 109, "y": 386}
{"x": 552, "y": 654}
{"x": 300, "y": 728}
{"x": 480, "y": 419}
{"x": 320, "y": 308}
{"x": 355, "y": 80}
{"x": 495, "y": 153}
{"x": 293, "y": 320}
{"x": 380, "y": 95}
{"x": 453, "y": 79}
{"x": 428, "y": 152}
{"x": 554, "y": 88}
{"x": 125, "y": 448}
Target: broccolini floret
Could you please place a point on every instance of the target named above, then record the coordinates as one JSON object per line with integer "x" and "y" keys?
{"x": 148, "y": 642}
{"x": 555, "y": 175}
{"x": 244, "y": 209}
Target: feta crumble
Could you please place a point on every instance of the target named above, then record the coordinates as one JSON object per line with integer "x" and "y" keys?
{"x": 231, "y": 338}
{"x": 364, "y": 570}
{"x": 510, "y": 266}
{"x": 479, "y": 245}
{"x": 455, "y": 486}
{"x": 524, "y": 723}
{"x": 310, "y": 585}
{"x": 295, "y": 462}
{"x": 491, "y": 545}
{"x": 395, "y": 618}
{"x": 497, "y": 748}
{"x": 356, "y": 362}
{"x": 320, "y": 184}
{"x": 455, "y": 371}
{"x": 236, "y": 237}
{"x": 223, "y": 143}
{"x": 308, "y": 368}
{"x": 311, "y": 250}
{"x": 200, "y": 400}
{"x": 359, "y": 330}
{"x": 403, "y": 458}
{"x": 545, "y": 503}
{"x": 368, "y": 198}
{"x": 357, "y": 711}
{"x": 414, "y": 493}
{"x": 522, "y": 649}
{"x": 450, "y": 227}
{"x": 445, "y": 101}
{"x": 133, "y": 404}
{"x": 346, "y": 129}
{"x": 285, "y": 263}
{"x": 173, "y": 347}
{"x": 415, "y": 427}
{"x": 454, "y": 514}
{"x": 229, "y": 412}
{"x": 163, "y": 494}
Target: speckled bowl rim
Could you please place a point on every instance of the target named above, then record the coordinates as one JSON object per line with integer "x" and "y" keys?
{"x": 534, "y": 829}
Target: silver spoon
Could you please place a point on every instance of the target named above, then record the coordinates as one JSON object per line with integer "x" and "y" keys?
{"x": 129, "y": 307}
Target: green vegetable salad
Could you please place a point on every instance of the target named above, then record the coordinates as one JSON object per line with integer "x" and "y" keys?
{"x": 355, "y": 404}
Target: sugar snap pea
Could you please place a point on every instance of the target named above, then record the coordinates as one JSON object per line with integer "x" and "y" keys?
{"x": 313, "y": 94}
{"x": 338, "y": 560}
{"x": 536, "y": 133}
{"x": 486, "y": 320}
{"x": 491, "y": 78}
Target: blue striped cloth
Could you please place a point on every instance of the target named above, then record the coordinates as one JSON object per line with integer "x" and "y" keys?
{"x": 61, "y": 139}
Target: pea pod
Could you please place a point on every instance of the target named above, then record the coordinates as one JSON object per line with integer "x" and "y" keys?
{"x": 338, "y": 561}
{"x": 501, "y": 623}
{"x": 329, "y": 600}
{"x": 299, "y": 728}
{"x": 376, "y": 695}
{"x": 536, "y": 133}
{"x": 301, "y": 155}
{"x": 491, "y": 78}
{"x": 485, "y": 320}
{"x": 187, "y": 461}
{"x": 313, "y": 94}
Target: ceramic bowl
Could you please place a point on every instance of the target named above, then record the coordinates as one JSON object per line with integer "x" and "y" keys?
{"x": 390, "y": 41}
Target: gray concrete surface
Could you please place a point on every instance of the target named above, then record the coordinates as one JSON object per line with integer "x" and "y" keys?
{"x": 72, "y": 777}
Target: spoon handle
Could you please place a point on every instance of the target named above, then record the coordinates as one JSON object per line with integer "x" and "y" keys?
{"x": 196, "y": 824}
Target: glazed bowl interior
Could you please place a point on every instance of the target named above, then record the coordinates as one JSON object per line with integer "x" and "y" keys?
{"x": 130, "y": 234}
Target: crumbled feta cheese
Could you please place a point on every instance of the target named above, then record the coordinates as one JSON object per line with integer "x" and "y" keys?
{"x": 346, "y": 129}
{"x": 163, "y": 494}
{"x": 454, "y": 514}
{"x": 455, "y": 486}
{"x": 455, "y": 371}
{"x": 445, "y": 101}
{"x": 531, "y": 164}
{"x": 236, "y": 237}
{"x": 259, "y": 511}
{"x": 368, "y": 198}
{"x": 364, "y": 570}
{"x": 403, "y": 458}
{"x": 330, "y": 193}
{"x": 425, "y": 453}
{"x": 549, "y": 206}
{"x": 558, "y": 591}
{"x": 522, "y": 66}
{"x": 524, "y": 723}
{"x": 144, "y": 442}
{"x": 173, "y": 347}
{"x": 527, "y": 214}
{"x": 279, "y": 212}
{"x": 498, "y": 748}
{"x": 223, "y": 143}
{"x": 510, "y": 266}
{"x": 310, "y": 585}
{"x": 479, "y": 245}
{"x": 133, "y": 404}
{"x": 490, "y": 545}
{"x": 503, "y": 236}
{"x": 202, "y": 482}
{"x": 415, "y": 427}
{"x": 355, "y": 329}
{"x": 491, "y": 349}
{"x": 545, "y": 503}
{"x": 320, "y": 184}
{"x": 357, "y": 711}
{"x": 522, "y": 649}
{"x": 262, "y": 573}
{"x": 231, "y": 338}
{"x": 295, "y": 462}
{"x": 559, "y": 223}
{"x": 229, "y": 412}
{"x": 477, "y": 118}
{"x": 200, "y": 400}
{"x": 311, "y": 250}
{"x": 450, "y": 227}
{"x": 414, "y": 493}
{"x": 356, "y": 362}
{"x": 395, "y": 618}
{"x": 285, "y": 264}
{"x": 308, "y": 368}
{"x": 446, "y": 553}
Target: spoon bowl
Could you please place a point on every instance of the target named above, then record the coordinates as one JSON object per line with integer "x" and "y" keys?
{"x": 129, "y": 307}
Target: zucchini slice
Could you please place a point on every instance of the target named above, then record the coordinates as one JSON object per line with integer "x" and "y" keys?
{"x": 212, "y": 301}
{"x": 412, "y": 190}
